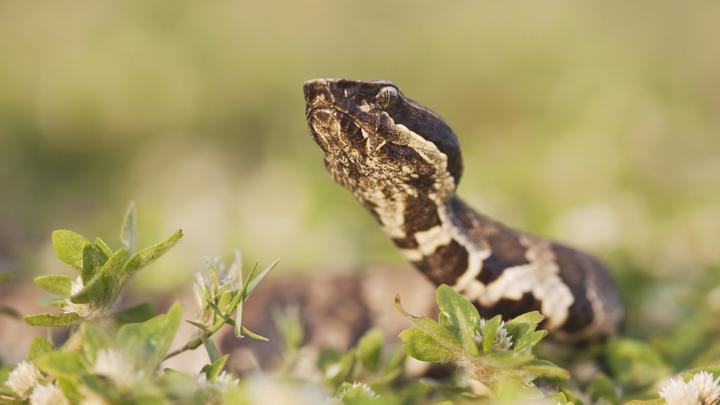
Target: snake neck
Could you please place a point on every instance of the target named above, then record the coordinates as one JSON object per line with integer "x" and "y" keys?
{"x": 503, "y": 270}
{"x": 438, "y": 241}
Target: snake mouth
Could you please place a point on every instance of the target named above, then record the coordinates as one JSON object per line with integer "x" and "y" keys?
{"x": 336, "y": 132}
{"x": 322, "y": 122}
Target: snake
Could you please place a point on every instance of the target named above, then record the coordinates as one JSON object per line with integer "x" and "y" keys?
{"x": 403, "y": 163}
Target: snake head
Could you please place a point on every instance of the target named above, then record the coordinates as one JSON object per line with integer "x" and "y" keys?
{"x": 380, "y": 144}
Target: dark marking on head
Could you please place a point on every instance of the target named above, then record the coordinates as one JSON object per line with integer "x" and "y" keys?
{"x": 354, "y": 133}
{"x": 357, "y": 124}
{"x": 446, "y": 265}
{"x": 426, "y": 123}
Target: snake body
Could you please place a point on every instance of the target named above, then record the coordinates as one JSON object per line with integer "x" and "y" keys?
{"x": 403, "y": 163}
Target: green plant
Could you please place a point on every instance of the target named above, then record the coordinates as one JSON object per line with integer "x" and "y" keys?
{"x": 495, "y": 357}
{"x": 114, "y": 355}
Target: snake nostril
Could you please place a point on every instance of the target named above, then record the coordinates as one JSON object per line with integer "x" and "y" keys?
{"x": 317, "y": 89}
{"x": 307, "y": 91}
{"x": 314, "y": 88}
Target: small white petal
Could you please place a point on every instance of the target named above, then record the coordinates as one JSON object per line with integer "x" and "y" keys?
{"x": 113, "y": 365}
{"x": 678, "y": 392}
{"x": 366, "y": 388}
{"x": 22, "y": 378}
{"x": 225, "y": 379}
{"x": 48, "y": 394}
{"x": 84, "y": 310}
{"x": 707, "y": 388}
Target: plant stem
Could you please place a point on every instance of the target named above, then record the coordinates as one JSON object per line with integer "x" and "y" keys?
{"x": 197, "y": 341}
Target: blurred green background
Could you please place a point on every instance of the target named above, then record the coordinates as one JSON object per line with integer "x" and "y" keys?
{"x": 595, "y": 123}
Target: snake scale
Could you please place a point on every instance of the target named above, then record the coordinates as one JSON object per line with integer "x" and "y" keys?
{"x": 403, "y": 163}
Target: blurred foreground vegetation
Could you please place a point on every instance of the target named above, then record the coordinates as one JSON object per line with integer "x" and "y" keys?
{"x": 595, "y": 123}
{"x": 117, "y": 355}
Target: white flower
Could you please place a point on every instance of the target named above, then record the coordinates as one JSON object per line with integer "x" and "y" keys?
{"x": 225, "y": 379}
{"x": 366, "y": 389}
{"x": 48, "y": 394}
{"x": 200, "y": 290}
{"x": 701, "y": 389}
{"x": 218, "y": 280}
{"x": 708, "y": 388}
{"x": 22, "y": 378}
{"x": 503, "y": 340}
{"x": 113, "y": 365}
{"x": 84, "y": 310}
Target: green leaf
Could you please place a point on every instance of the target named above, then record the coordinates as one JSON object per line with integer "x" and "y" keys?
{"x": 327, "y": 356}
{"x": 198, "y": 325}
{"x": 253, "y": 335}
{"x": 561, "y": 399}
{"x": 68, "y": 246}
{"x": 462, "y": 317}
{"x": 253, "y": 283}
{"x": 5, "y": 276}
{"x": 49, "y": 319}
{"x": 4, "y": 374}
{"x": 522, "y": 329}
{"x": 239, "y": 298}
{"x": 151, "y": 253}
{"x": 424, "y": 347}
{"x": 146, "y": 343}
{"x": 184, "y": 387}
{"x": 634, "y": 362}
{"x": 713, "y": 369}
{"x": 52, "y": 300}
{"x": 38, "y": 347}
{"x": 95, "y": 339}
{"x": 213, "y": 370}
{"x": 211, "y": 349}
{"x": 393, "y": 367}
{"x": 92, "y": 260}
{"x": 100, "y": 290}
{"x": 431, "y": 328}
{"x": 507, "y": 359}
{"x": 62, "y": 364}
{"x": 489, "y": 332}
{"x": 70, "y": 386}
{"x": 546, "y": 369}
{"x": 602, "y": 387}
{"x": 290, "y": 327}
{"x": 369, "y": 349}
{"x": 139, "y": 313}
{"x": 351, "y": 394}
{"x": 129, "y": 225}
{"x": 529, "y": 340}
{"x": 533, "y": 318}
{"x": 238, "y": 316}
{"x": 104, "y": 387}
{"x": 103, "y": 247}
{"x": 54, "y": 283}
{"x": 341, "y": 370}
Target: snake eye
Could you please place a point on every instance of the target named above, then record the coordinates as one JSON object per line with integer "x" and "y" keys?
{"x": 386, "y": 97}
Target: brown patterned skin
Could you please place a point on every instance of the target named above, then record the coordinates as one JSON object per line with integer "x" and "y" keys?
{"x": 403, "y": 163}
